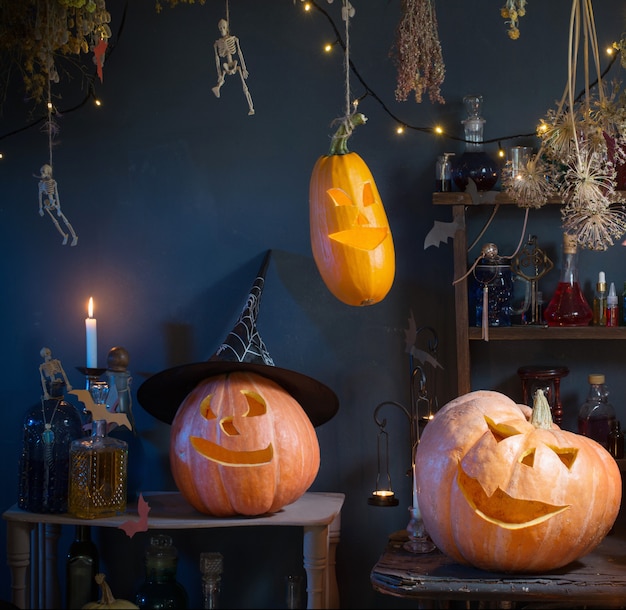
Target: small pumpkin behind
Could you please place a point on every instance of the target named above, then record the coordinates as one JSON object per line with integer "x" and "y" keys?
{"x": 350, "y": 235}
{"x": 107, "y": 600}
{"x": 503, "y": 493}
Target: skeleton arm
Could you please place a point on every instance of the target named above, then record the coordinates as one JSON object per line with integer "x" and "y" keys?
{"x": 241, "y": 59}
{"x": 218, "y": 63}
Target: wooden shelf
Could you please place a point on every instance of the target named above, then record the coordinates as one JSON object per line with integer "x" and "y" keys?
{"x": 460, "y": 202}
{"x": 545, "y": 333}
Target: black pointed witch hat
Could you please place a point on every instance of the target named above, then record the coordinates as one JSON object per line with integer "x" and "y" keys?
{"x": 242, "y": 350}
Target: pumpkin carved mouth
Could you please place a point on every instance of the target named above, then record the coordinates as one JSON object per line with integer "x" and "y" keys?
{"x": 364, "y": 234}
{"x": 502, "y": 509}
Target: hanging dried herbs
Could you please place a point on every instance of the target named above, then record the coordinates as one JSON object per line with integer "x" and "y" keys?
{"x": 417, "y": 52}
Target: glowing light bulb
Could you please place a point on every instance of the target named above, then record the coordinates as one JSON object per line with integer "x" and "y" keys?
{"x": 438, "y": 130}
{"x": 328, "y": 47}
{"x": 400, "y": 129}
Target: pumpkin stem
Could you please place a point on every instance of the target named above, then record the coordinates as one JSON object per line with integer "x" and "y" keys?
{"x": 339, "y": 142}
{"x": 107, "y": 595}
{"x": 542, "y": 415}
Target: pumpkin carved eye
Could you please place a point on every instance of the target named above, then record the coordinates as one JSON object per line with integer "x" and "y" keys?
{"x": 256, "y": 407}
{"x": 502, "y": 431}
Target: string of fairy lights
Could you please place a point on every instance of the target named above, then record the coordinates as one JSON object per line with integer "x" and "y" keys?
{"x": 400, "y": 125}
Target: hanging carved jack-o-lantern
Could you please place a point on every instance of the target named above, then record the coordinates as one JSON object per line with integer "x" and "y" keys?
{"x": 350, "y": 235}
{"x": 241, "y": 444}
{"x": 502, "y": 493}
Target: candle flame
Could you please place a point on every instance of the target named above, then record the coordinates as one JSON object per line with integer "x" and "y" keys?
{"x": 90, "y": 307}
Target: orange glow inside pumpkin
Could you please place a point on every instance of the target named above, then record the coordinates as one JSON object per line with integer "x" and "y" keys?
{"x": 356, "y": 226}
{"x": 502, "y": 509}
{"x": 229, "y": 457}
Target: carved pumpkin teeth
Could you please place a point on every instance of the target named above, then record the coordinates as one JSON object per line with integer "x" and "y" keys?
{"x": 502, "y": 509}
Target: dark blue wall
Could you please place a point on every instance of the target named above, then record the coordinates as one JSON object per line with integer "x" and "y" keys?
{"x": 176, "y": 196}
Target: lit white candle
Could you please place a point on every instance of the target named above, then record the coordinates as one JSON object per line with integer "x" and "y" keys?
{"x": 92, "y": 337}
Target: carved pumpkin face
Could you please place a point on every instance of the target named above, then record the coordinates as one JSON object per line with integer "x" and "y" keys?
{"x": 241, "y": 445}
{"x": 350, "y": 235}
{"x": 499, "y": 493}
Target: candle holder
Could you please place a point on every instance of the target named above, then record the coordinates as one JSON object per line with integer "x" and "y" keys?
{"x": 422, "y": 410}
{"x": 91, "y": 374}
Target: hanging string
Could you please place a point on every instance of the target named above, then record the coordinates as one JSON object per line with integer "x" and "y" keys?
{"x": 49, "y": 86}
{"x": 346, "y": 17}
{"x": 227, "y": 13}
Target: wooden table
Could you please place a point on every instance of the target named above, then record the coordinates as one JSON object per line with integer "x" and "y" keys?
{"x": 317, "y": 513}
{"x": 598, "y": 578}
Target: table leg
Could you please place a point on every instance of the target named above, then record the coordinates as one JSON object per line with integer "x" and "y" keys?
{"x": 18, "y": 559}
{"x": 315, "y": 547}
{"x": 332, "y": 591}
{"x": 53, "y": 594}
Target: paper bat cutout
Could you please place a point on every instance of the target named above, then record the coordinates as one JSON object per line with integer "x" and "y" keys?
{"x": 422, "y": 356}
{"x": 441, "y": 232}
{"x": 101, "y": 411}
{"x": 132, "y": 527}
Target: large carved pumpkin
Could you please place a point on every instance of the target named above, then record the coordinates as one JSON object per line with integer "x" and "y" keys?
{"x": 241, "y": 445}
{"x": 503, "y": 493}
{"x": 350, "y": 235}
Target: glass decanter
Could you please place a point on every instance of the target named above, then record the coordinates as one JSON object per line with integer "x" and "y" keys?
{"x": 474, "y": 163}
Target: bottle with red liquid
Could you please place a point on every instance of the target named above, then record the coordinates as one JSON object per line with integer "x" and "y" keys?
{"x": 596, "y": 417}
{"x": 568, "y": 306}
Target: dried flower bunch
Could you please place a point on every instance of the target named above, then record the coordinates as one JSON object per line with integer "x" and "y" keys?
{"x": 582, "y": 142}
{"x": 512, "y": 11}
{"x": 35, "y": 33}
{"x": 417, "y": 52}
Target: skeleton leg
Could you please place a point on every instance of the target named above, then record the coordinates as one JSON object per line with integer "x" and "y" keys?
{"x": 220, "y": 82}
{"x": 69, "y": 228}
{"x": 57, "y": 225}
{"x": 246, "y": 92}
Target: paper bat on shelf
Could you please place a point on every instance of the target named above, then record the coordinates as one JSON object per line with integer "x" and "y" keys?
{"x": 101, "y": 411}
{"x": 132, "y": 527}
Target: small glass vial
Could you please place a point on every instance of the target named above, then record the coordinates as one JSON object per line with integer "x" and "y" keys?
{"x": 596, "y": 417}
{"x": 568, "y": 306}
{"x": 98, "y": 475}
{"x": 612, "y": 307}
{"x": 211, "y": 567}
{"x": 49, "y": 429}
{"x": 616, "y": 441}
{"x": 161, "y": 590}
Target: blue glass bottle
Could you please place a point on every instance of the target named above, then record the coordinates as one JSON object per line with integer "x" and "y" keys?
{"x": 161, "y": 590}
{"x": 48, "y": 430}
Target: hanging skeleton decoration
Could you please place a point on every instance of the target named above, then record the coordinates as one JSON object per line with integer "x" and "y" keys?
{"x": 227, "y": 48}
{"x": 49, "y": 201}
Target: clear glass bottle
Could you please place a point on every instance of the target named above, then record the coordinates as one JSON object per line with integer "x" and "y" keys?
{"x": 443, "y": 173}
{"x": 475, "y": 163}
{"x": 211, "y": 567}
{"x": 160, "y": 589}
{"x": 568, "y": 306}
{"x": 596, "y": 417}
{"x": 98, "y": 475}
{"x": 48, "y": 430}
{"x": 81, "y": 569}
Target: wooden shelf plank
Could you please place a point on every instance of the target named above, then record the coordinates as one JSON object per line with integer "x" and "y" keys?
{"x": 539, "y": 333}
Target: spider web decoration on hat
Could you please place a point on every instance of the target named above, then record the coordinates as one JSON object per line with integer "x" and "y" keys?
{"x": 242, "y": 350}
{"x": 244, "y": 343}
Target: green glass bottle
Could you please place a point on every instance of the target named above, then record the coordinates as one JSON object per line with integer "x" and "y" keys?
{"x": 161, "y": 590}
{"x": 81, "y": 569}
